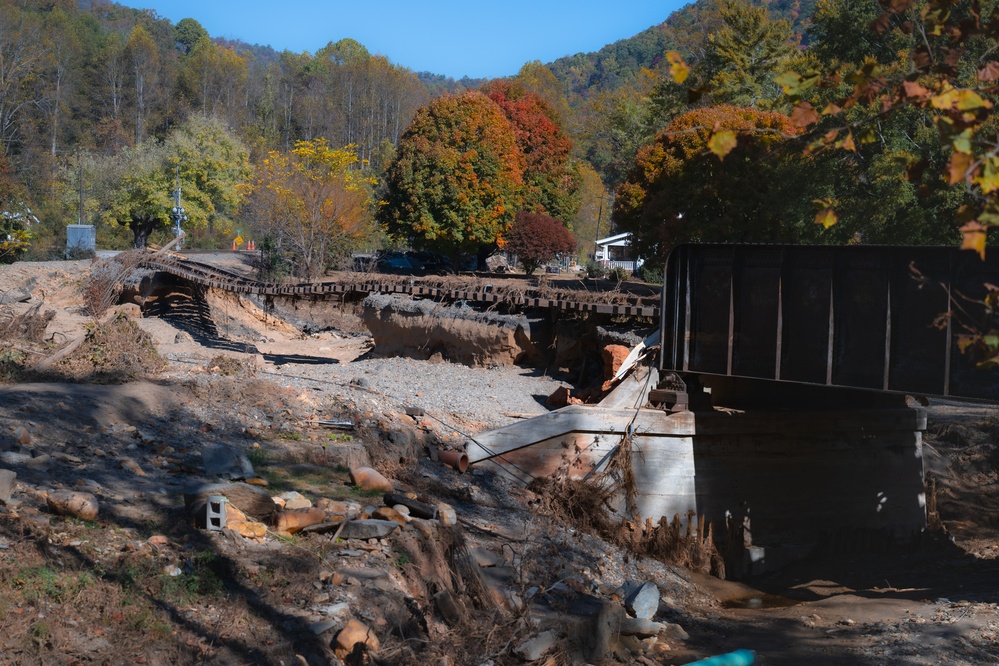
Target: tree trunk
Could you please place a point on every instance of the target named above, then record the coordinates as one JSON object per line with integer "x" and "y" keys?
{"x": 141, "y": 228}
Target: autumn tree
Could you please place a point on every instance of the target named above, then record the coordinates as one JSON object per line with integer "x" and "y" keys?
{"x": 680, "y": 191}
{"x": 15, "y": 217}
{"x": 746, "y": 53}
{"x": 536, "y": 239}
{"x": 315, "y": 203}
{"x": 143, "y": 59}
{"x": 455, "y": 183}
{"x": 551, "y": 179}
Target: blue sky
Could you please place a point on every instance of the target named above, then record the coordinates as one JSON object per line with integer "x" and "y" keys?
{"x": 480, "y": 39}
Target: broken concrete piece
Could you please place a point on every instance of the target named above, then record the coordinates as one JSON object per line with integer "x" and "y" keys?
{"x": 370, "y": 479}
{"x": 72, "y": 503}
{"x": 643, "y": 601}
{"x": 353, "y": 633}
{"x": 226, "y": 462}
{"x": 535, "y": 648}
{"x": 253, "y": 501}
{"x": 368, "y": 529}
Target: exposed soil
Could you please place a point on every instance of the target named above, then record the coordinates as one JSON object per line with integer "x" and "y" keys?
{"x": 140, "y": 584}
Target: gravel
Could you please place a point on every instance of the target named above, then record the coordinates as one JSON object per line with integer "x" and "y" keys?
{"x": 464, "y": 398}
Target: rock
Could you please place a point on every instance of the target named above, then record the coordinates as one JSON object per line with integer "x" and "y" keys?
{"x": 613, "y": 356}
{"x": 250, "y": 529}
{"x": 226, "y": 462}
{"x": 368, "y": 529}
{"x": 606, "y": 624}
{"x": 294, "y": 500}
{"x": 369, "y": 479}
{"x": 385, "y": 513}
{"x": 72, "y": 503}
{"x": 292, "y": 521}
{"x": 132, "y": 466}
{"x": 39, "y": 461}
{"x": 158, "y": 540}
{"x": 7, "y": 481}
{"x": 638, "y": 626}
{"x": 322, "y": 626}
{"x": 353, "y": 633}
{"x": 560, "y": 398}
{"x": 426, "y": 528}
{"x": 338, "y": 507}
{"x": 484, "y": 558}
{"x": 414, "y": 507}
{"x": 402, "y": 509}
{"x": 535, "y": 648}
{"x": 182, "y": 336}
{"x": 14, "y": 458}
{"x": 22, "y": 436}
{"x": 447, "y": 607}
{"x": 257, "y": 481}
{"x": 446, "y": 515}
{"x": 325, "y": 527}
{"x": 253, "y": 501}
{"x": 643, "y": 601}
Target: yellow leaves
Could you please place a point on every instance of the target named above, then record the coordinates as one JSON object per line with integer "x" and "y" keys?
{"x": 959, "y": 99}
{"x": 722, "y": 143}
{"x": 973, "y": 237}
{"x": 678, "y": 69}
{"x": 827, "y": 214}
{"x": 960, "y": 164}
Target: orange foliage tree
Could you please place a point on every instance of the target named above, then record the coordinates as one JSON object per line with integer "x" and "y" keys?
{"x": 679, "y": 191}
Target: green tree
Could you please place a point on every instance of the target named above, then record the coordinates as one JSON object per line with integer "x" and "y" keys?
{"x": 214, "y": 170}
{"x": 456, "y": 180}
{"x": 187, "y": 33}
{"x": 747, "y": 52}
{"x": 680, "y": 191}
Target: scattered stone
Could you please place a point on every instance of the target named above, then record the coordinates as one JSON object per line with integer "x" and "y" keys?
{"x": 643, "y": 601}
{"x": 369, "y": 479}
{"x": 22, "y": 436}
{"x": 353, "y": 633}
{"x": 250, "y": 529}
{"x": 535, "y": 648}
{"x": 446, "y": 515}
{"x": 605, "y": 625}
{"x": 368, "y": 529}
{"x": 295, "y": 500}
{"x": 560, "y": 398}
{"x": 402, "y": 509}
{"x": 253, "y": 501}
{"x": 325, "y": 527}
{"x": 7, "y": 480}
{"x": 72, "y": 503}
{"x": 66, "y": 458}
{"x": 14, "y": 458}
{"x": 447, "y": 607}
{"x": 158, "y": 540}
{"x": 638, "y": 626}
{"x": 338, "y": 507}
{"x": 39, "y": 461}
{"x": 257, "y": 481}
{"x": 385, "y": 513}
{"x": 132, "y": 466}
{"x": 226, "y": 462}
{"x": 291, "y": 521}
{"x": 414, "y": 507}
{"x": 427, "y": 528}
{"x": 414, "y": 411}
{"x": 322, "y": 626}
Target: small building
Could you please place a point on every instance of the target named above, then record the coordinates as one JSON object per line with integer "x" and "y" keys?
{"x": 616, "y": 252}
{"x": 80, "y": 238}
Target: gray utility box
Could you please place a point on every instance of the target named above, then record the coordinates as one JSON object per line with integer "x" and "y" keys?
{"x": 81, "y": 237}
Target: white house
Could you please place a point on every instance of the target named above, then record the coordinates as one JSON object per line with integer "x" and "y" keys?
{"x": 616, "y": 251}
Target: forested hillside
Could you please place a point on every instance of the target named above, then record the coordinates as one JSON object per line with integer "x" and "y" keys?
{"x": 106, "y": 110}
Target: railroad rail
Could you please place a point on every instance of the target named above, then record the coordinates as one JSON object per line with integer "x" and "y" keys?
{"x": 446, "y": 289}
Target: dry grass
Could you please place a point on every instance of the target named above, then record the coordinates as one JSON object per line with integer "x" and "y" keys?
{"x": 103, "y": 287}
{"x": 115, "y": 352}
{"x": 586, "y": 506}
{"x": 231, "y": 366}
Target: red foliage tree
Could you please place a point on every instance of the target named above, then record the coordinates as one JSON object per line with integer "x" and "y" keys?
{"x": 537, "y": 238}
{"x": 551, "y": 181}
